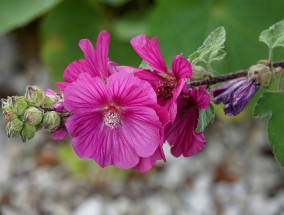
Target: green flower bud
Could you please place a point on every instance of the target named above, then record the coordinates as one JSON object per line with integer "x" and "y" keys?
{"x": 10, "y": 115}
{"x": 261, "y": 73}
{"x": 35, "y": 95}
{"x": 39, "y": 126}
{"x": 198, "y": 73}
{"x": 32, "y": 116}
{"x": 50, "y": 100}
{"x": 19, "y": 104}
{"x": 14, "y": 127}
{"x": 27, "y": 132}
{"x": 6, "y": 104}
{"x": 51, "y": 120}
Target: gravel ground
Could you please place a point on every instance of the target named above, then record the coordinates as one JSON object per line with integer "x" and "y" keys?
{"x": 235, "y": 174}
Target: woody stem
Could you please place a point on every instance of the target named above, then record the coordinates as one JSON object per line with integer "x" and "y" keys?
{"x": 222, "y": 78}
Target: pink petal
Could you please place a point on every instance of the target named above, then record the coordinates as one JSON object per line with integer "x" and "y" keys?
{"x": 145, "y": 164}
{"x": 74, "y": 69}
{"x": 89, "y": 52}
{"x": 60, "y": 133}
{"x": 101, "y": 143}
{"x": 127, "y": 90}
{"x": 86, "y": 94}
{"x": 61, "y": 85}
{"x": 148, "y": 50}
{"x": 182, "y": 137}
{"x": 50, "y": 92}
{"x": 101, "y": 55}
{"x": 181, "y": 67}
{"x": 141, "y": 128}
{"x": 152, "y": 77}
{"x": 200, "y": 97}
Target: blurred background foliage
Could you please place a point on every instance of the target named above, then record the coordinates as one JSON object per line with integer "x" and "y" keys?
{"x": 180, "y": 25}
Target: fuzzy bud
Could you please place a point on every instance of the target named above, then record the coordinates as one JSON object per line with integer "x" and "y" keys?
{"x": 32, "y": 116}
{"x": 27, "y": 132}
{"x": 19, "y": 104}
{"x": 198, "y": 73}
{"x": 50, "y": 98}
{"x": 35, "y": 95}
{"x": 51, "y": 121}
{"x": 14, "y": 127}
{"x": 261, "y": 73}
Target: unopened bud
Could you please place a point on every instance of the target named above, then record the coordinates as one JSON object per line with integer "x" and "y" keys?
{"x": 32, "y": 116}
{"x": 198, "y": 73}
{"x": 261, "y": 73}
{"x": 9, "y": 115}
{"x": 51, "y": 98}
{"x": 51, "y": 120}
{"x": 35, "y": 95}
{"x": 19, "y": 104}
{"x": 27, "y": 132}
{"x": 14, "y": 127}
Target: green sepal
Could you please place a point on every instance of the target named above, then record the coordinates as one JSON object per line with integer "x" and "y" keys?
{"x": 205, "y": 117}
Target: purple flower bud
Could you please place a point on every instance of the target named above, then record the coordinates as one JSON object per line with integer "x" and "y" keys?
{"x": 224, "y": 92}
{"x": 235, "y": 95}
{"x": 241, "y": 98}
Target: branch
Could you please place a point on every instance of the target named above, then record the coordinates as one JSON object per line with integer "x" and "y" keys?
{"x": 222, "y": 78}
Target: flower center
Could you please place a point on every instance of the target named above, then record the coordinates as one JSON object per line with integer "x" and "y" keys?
{"x": 165, "y": 89}
{"x": 112, "y": 117}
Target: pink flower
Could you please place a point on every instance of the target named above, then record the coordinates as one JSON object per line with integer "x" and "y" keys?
{"x": 59, "y": 133}
{"x": 115, "y": 121}
{"x": 166, "y": 83}
{"x": 95, "y": 62}
{"x": 181, "y": 134}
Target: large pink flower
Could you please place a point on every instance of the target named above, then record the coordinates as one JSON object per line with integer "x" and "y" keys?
{"x": 115, "y": 121}
{"x": 167, "y": 83}
{"x": 96, "y": 61}
{"x": 181, "y": 134}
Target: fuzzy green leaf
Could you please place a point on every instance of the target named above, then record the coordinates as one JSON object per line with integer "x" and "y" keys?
{"x": 274, "y": 35}
{"x": 212, "y": 48}
{"x": 205, "y": 117}
{"x": 15, "y": 13}
{"x": 272, "y": 104}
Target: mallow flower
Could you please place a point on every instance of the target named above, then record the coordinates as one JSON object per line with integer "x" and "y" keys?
{"x": 167, "y": 83}
{"x": 235, "y": 94}
{"x": 96, "y": 62}
{"x": 181, "y": 134}
{"x": 115, "y": 121}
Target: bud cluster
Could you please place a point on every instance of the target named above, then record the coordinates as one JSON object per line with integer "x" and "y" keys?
{"x": 27, "y": 114}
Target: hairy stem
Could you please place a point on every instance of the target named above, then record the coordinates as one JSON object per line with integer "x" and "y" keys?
{"x": 222, "y": 78}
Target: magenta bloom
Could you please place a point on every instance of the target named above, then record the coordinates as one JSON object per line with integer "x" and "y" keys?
{"x": 96, "y": 61}
{"x": 166, "y": 83}
{"x": 181, "y": 134}
{"x": 115, "y": 121}
{"x": 235, "y": 95}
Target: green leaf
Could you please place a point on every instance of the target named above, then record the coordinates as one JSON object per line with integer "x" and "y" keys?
{"x": 211, "y": 48}
{"x": 185, "y": 30}
{"x": 15, "y": 13}
{"x": 61, "y": 31}
{"x": 272, "y": 104}
{"x": 274, "y": 35}
{"x": 205, "y": 117}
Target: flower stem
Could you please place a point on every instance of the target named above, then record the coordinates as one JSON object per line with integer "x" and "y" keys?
{"x": 222, "y": 78}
